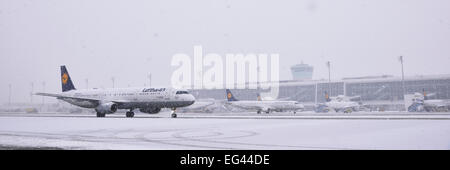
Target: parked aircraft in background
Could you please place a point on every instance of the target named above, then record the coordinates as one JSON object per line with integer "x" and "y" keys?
{"x": 340, "y": 103}
{"x": 264, "y": 105}
{"x": 420, "y": 102}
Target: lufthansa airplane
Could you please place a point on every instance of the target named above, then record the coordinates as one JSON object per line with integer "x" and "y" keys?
{"x": 108, "y": 101}
{"x": 264, "y": 105}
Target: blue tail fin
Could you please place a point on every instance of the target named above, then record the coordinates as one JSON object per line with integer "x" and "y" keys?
{"x": 66, "y": 82}
{"x": 327, "y": 97}
{"x": 230, "y": 96}
{"x": 258, "y": 97}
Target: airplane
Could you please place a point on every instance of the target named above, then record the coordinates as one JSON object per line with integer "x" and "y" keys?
{"x": 421, "y": 102}
{"x": 295, "y": 107}
{"x": 108, "y": 101}
{"x": 340, "y": 103}
{"x": 264, "y": 105}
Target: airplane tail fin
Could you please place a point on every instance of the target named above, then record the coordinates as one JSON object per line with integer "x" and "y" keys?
{"x": 425, "y": 97}
{"x": 327, "y": 97}
{"x": 66, "y": 81}
{"x": 259, "y": 97}
{"x": 230, "y": 96}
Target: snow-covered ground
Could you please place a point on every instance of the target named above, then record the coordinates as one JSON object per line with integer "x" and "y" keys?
{"x": 228, "y": 131}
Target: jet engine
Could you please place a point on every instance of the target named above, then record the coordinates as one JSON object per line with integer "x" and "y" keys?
{"x": 107, "y": 108}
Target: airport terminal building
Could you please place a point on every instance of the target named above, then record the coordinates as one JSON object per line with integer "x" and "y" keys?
{"x": 382, "y": 92}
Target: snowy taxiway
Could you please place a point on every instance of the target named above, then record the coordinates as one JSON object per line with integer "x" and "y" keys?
{"x": 395, "y": 130}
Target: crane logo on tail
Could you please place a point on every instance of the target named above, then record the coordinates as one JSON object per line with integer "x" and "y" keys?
{"x": 64, "y": 78}
{"x": 229, "y": 95}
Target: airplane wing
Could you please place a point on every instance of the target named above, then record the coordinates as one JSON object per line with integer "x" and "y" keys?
{"x": 201, "y": 105}
{"x": 76, "y": 98}
{"x": 48, "y": 94}
{"x": 67, "y": 97}
{"x": 352, "y": 98}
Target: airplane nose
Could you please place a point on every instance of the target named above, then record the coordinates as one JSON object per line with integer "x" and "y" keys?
{"x": 191, "y": 98}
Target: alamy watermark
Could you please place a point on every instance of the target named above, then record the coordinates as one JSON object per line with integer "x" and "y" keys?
{"x": 239, "y": 71}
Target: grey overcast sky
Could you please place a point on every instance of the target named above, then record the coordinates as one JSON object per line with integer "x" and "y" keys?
{"x": 127, "y": 39}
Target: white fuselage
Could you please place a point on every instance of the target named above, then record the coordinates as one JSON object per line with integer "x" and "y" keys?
{"x": 268, "y": 106}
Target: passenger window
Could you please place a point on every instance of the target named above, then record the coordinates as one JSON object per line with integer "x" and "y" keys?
{"x": 182, "y": 92}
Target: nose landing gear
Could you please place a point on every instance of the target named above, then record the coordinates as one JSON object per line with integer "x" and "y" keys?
{"x": 174, "y": 113}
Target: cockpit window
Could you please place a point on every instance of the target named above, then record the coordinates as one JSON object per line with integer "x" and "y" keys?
{"x": 182, "y": 92}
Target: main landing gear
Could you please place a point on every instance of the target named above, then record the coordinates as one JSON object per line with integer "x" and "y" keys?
{"x": 174, "y": 113}
{"x": 130, "y": 113}
{"x": 100, "y": 114}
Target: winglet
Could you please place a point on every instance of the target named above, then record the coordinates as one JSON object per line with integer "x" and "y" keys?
{"x": 425, "y": 97}
{"x": 327, "y": 97}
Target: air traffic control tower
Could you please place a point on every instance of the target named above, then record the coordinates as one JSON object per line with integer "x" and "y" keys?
{"x": 302, "y": 71}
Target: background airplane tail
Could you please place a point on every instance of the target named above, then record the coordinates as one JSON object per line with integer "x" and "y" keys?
{"x": 425, "y": 97}
{"x": 230, "y": 96}
{"x": 327, "y": 97}
{"x": 66, "y": 81}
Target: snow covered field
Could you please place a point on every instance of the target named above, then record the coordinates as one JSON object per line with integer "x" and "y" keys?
{"x": 228, "y": 131}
